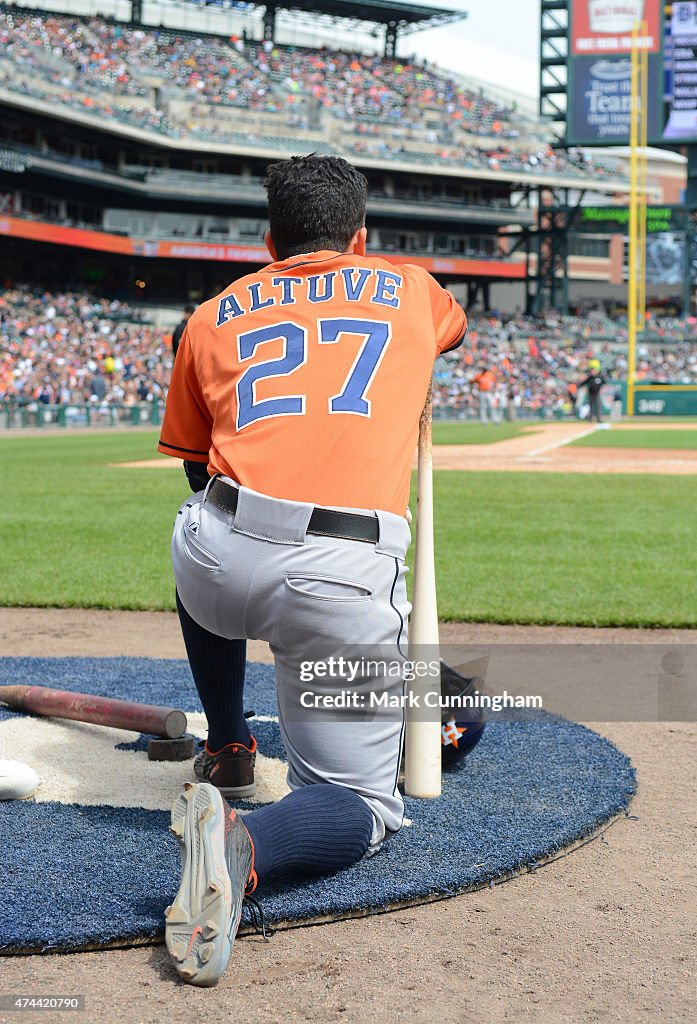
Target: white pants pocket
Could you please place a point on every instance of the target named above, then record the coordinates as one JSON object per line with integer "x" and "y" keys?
{"x": 327, "y": 588}
{"x": 198, "y": 554}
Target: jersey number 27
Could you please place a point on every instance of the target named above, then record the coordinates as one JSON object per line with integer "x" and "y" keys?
{"x": 351, "y": 398}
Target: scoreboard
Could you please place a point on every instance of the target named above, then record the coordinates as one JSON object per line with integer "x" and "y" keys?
{"x": 681, "y": 123}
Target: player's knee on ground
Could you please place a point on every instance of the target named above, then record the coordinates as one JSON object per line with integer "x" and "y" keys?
{"x": 317, "y": 829}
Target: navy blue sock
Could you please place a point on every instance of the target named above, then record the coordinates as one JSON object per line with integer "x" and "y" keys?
{"x": 217, "y": 666}
{"x": 314, "y": 830}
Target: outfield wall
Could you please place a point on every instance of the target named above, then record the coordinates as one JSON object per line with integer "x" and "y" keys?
{"x": 657, "y": 400}
{"x": 14, "y": 416}
{"x": 662, "y": 400}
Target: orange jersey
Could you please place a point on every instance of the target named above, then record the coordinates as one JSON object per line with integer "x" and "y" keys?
{"x": 485, "y": 380}
{"x": 306, "y": 380}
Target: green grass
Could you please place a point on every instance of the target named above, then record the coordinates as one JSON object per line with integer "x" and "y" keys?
{"x": 564, "y": 548}
{"x": 665, "y": 421}
{"x": 510, "y": 547}
{"x": 682, "y": 439}
{"x": 477, "y": 433}
{"x": 77, "y": 532}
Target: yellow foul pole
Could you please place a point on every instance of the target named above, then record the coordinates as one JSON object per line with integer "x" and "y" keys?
{"x": 642, "y": 162}
{"x": 636, "y": 269}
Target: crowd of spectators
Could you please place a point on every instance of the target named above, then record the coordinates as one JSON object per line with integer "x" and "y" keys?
{"x": 535, "y": 364}
{"x": 356, "y": 86}
{"x": 370, "y": 140}
{"x": 119, "y": 59}
{"x": 66, "y": 51}
{"x": 138, "y": 115}
{"x": 73, "y": 348}
{"x": 210, "y": 70}
{"x": 178, "y": 84}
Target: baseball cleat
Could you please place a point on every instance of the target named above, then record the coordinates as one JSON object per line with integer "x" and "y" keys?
{"x": 230, "y": 770}
{"x": 217, "y": 859}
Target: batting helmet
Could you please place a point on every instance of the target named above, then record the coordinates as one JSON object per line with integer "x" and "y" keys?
{"x": 461, "y": 728}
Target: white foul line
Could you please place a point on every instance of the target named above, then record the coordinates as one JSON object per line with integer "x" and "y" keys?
{"x": 557, "y": 444}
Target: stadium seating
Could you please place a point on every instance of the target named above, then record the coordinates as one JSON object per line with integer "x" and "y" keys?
{"x": 183, "y": 86}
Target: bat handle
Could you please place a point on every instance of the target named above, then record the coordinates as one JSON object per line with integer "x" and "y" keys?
{"x": 13, "y": 696}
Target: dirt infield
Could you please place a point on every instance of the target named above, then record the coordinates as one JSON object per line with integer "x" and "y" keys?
{"x": 545, "y": 449}
{"x": 606, "y": 933}
{"x": 548, "y": 450}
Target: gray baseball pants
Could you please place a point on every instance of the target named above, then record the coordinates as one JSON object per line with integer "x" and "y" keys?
{"x": 258, "y": 574}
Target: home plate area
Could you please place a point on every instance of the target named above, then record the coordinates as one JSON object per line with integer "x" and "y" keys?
{"x": 89, "y": 862}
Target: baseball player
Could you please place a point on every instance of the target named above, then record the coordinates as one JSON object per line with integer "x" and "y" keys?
{"x": 181, "y": 327}
{"x": 300, "y": 388}
{"x": 485, "y": 380}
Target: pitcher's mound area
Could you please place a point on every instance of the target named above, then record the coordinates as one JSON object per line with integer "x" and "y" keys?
{"x": 89, "y": 862}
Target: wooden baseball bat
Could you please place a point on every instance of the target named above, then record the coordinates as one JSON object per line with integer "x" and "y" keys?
{"x": 85, "y": 707}
{"x": 422, "y": 755}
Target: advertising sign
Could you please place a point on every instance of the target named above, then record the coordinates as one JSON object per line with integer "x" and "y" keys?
{"x": 600, "y": 100}
{"x": 605, "y": 26}
{"x": 600, "y": 70}
{"x": 615, "y": 219}
{"x": 102, "y": 241}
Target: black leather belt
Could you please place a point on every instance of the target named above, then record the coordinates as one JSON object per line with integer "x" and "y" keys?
{"x": 324, "y": 522}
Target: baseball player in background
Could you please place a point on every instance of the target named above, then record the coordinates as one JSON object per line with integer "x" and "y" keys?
{"x": 300, "y": 388}
{"x": 180, "y": 328}
{"x": 485, "y": 380}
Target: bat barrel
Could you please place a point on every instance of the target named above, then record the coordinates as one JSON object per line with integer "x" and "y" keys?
{"x": 422, "y": 754}
{"x": 168, "y": 723}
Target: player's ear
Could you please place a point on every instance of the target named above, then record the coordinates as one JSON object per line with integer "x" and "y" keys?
{"x": 268, "y": 241}
{"x": 358, "y": 242}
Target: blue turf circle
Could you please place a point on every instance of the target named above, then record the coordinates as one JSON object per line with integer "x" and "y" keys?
{"x": 529, "y": 789}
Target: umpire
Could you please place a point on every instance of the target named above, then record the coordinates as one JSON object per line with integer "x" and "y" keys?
{"x": 594, "y": 382}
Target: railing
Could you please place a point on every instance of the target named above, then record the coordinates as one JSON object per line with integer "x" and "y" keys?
{"x": 509, "y": 414}
{"x": 17, "y": 415}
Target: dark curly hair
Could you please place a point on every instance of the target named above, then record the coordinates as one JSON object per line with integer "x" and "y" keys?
{"x": 315, "y": 202}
